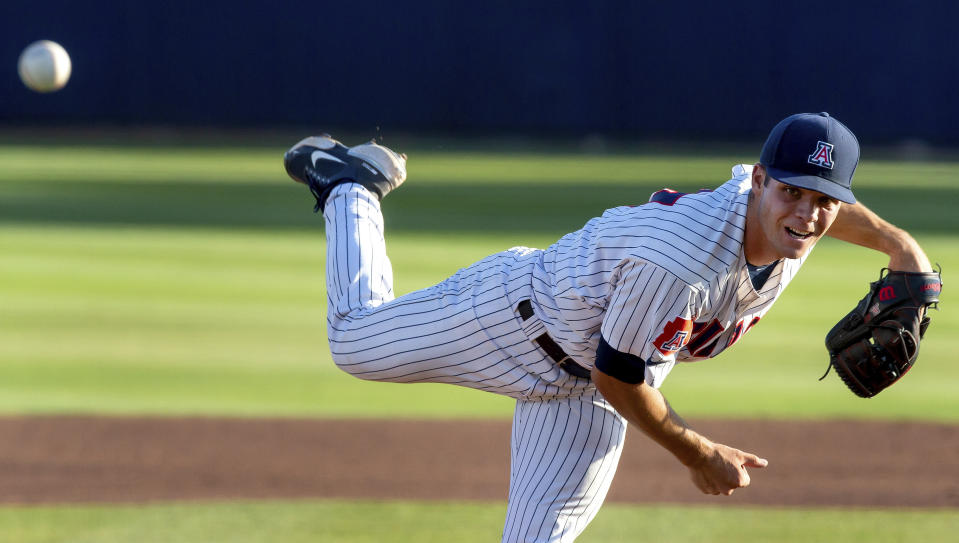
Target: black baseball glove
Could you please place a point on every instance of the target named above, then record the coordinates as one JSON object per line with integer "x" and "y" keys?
{"x": 878, "y": 342}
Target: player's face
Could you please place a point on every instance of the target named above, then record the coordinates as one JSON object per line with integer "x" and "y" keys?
{"x": 791, "y": 220}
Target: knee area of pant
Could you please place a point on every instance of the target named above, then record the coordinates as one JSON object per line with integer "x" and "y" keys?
{"x": 351, "y": 364}
{"x": 346, "y": 364}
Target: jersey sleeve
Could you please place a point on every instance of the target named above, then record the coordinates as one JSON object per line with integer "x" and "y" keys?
{"x": 649, "y": 319}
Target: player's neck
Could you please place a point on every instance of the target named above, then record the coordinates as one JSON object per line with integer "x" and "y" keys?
{"x": 757, "y": 249}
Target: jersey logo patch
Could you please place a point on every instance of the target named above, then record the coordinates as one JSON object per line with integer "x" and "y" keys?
{"x": 822, "y": 156}
{"x": 704, "y": 337}
{"x": 741, "y": 328}
{"x": 674, "y": 337}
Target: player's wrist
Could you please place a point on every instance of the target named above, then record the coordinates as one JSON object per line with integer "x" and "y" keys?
{"x": 908, "y": 256}
{"x": 903, "y": 250}
{"x": 697, "y": 452}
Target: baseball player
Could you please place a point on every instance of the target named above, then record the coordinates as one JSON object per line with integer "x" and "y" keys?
{"x": 583, "y": 333}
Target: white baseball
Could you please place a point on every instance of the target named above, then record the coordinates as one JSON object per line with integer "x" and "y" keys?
{"x": 44, "y": 66}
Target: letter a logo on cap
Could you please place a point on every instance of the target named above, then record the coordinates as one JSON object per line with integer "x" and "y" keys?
{"x": 822, "y": 156}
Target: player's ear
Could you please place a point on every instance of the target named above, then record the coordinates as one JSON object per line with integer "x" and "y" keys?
{"x": 758, "y": 177}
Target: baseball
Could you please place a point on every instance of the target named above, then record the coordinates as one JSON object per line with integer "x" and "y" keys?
{"x": 44, "y": 66}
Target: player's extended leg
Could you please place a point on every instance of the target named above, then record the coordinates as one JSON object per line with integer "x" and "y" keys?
{"x": 564, "y": 456}
{"x": 348, "y": 184}
{"x": 358, "y": 272}
{"x": 431, "y": 335}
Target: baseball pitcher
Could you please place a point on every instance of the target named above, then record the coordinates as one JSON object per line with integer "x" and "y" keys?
{"x": 583, "y": 333}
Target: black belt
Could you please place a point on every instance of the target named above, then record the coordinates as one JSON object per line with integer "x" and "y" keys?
{"x": 525, "y": 309}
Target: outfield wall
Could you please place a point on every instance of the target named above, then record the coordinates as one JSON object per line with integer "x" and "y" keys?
{"x": 700, "y": 70}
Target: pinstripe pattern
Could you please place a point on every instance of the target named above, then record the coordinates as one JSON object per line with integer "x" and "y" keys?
{"x": 431, "y": 335}
{"x": 643, "y": 300}
{"x": 579, "y": 440}
{"x": 624, "y": 276}
{"x": 627, "y": 274}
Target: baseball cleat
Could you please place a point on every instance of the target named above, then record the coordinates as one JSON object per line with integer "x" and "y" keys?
{"x": 321, "y": 163}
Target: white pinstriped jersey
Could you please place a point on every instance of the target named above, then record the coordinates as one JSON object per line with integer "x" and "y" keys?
{"x": 661, "y": 281}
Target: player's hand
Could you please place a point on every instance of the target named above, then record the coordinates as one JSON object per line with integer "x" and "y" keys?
{"x": 723, "y": 469}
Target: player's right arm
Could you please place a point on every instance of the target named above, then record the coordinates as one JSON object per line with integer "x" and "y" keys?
{"x": 649, "y": 319}
{"x": 714, "y": 468}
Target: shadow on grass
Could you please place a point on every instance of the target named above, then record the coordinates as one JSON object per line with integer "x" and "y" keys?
{"x": 461, "y": 207}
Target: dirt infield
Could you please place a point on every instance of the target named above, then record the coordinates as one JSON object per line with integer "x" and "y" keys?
{"x": 99, "y": 459}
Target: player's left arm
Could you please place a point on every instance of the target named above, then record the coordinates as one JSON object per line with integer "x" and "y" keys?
{"x": 855, "y": 223}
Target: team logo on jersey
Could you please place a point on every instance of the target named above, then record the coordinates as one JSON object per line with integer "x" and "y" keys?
{"x": 822, "y": 156}
{"x": 674, "y": 337}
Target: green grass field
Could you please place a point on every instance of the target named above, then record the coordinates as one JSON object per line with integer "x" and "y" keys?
{"x": 373, "y": 522}
{"x": 167, "y": 280}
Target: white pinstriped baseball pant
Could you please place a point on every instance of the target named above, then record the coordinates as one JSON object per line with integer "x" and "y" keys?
{"x": 566, "y": 439}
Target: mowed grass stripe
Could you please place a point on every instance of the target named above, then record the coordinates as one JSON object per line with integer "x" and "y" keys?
{"x": 400, "y": 522}
{"x": 138, "y": 164}
{"x": 246, "y": 188}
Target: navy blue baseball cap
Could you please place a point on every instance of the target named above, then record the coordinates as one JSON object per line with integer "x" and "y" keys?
{"x": 813, "y": 151}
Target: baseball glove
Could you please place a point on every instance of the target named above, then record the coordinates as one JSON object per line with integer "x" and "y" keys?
{"x": 878, "y": 342}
